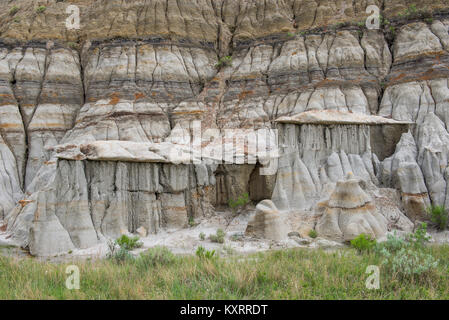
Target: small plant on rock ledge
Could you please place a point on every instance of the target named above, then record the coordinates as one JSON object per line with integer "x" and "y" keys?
{"x": 13, "y": 10}
{"x": 313, "y": 234}
{"x": 73, "y": 45}
{"x": 224, "y": 62}
{"x": 41, "y": 9}
{"x": 241, "y": 202}
{"x": 439, "y": 216}
{"x": 392, "y": 30}
{"x": 412, "y": 12}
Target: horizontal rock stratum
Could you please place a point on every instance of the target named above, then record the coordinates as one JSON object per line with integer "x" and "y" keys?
{"x": 88, "y": 117}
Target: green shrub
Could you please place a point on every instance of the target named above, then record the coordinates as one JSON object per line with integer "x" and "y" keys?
{"x": 200, "y": 252}
{"x": 409, "y": 262}
{"x": 228, "y": 250}
{"x": 224, "y": 61}
{"x": 392, "y": 30}
{"x": 438, "y": 215}
{"x": 202, "y": 236}
{"x": 41, "y": 9}
{"x": 72, "y": 45}
{"x": 128, "y": 243}
{"x": 237, "y": 236}
{"x": 241, "y": 202}
{"x": 413, "y": 12}
{"x": 384, "y": 21}
{"x": 204, "y": 254}
{"x": 122, "y": 255}
{"x": 157, "y": 256}
{"x": 13, "y": 10}
{"x": 118, "y": 254}
{"x": 363, "y": 243}
{"x": 412, "y": 9}
{"x": 360, "y": 24}
{"x": 393, "y": 244}
{"x": 191, "y": 222}
{"x": 419, "y": 238}
{"x": 219, "y": 237}
{"x": 408, "y": 258}
{"x": 313, "y": 234}
{"x": 119, "y": 249}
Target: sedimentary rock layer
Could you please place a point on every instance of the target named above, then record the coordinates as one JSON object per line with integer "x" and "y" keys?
{"x": 90, "y": 200}
{"x": 137, "y": 70}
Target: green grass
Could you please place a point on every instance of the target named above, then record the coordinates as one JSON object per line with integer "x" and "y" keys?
{"x": 287, "y": 274}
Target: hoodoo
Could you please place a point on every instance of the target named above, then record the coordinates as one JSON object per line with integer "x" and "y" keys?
{"x": 350, "y": 212}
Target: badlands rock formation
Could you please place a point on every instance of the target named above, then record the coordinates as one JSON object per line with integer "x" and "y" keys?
{"x": 267, "y": 223}
{"x": 350, "y": 212}
{"x": 97, "y": 123}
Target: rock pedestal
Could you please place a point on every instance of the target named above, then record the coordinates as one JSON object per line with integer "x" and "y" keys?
{"x": 350, "y": 212}
{"x": 267, "y": 223}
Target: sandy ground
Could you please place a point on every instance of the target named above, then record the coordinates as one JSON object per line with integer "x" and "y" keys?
{"x": 186, "y": 241}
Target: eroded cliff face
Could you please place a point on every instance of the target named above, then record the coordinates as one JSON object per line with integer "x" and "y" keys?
{"x": 139, "y": 70}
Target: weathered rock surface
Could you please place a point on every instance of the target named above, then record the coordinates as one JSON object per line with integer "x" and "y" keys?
{"x": 267, "y": 223}
{"x": 314, "y": 156}
{"x": 88, "y": 117}
{"x": 350, "y": 212}
{"x": 388, "y": 203}
{"x": 91, "y": 200}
